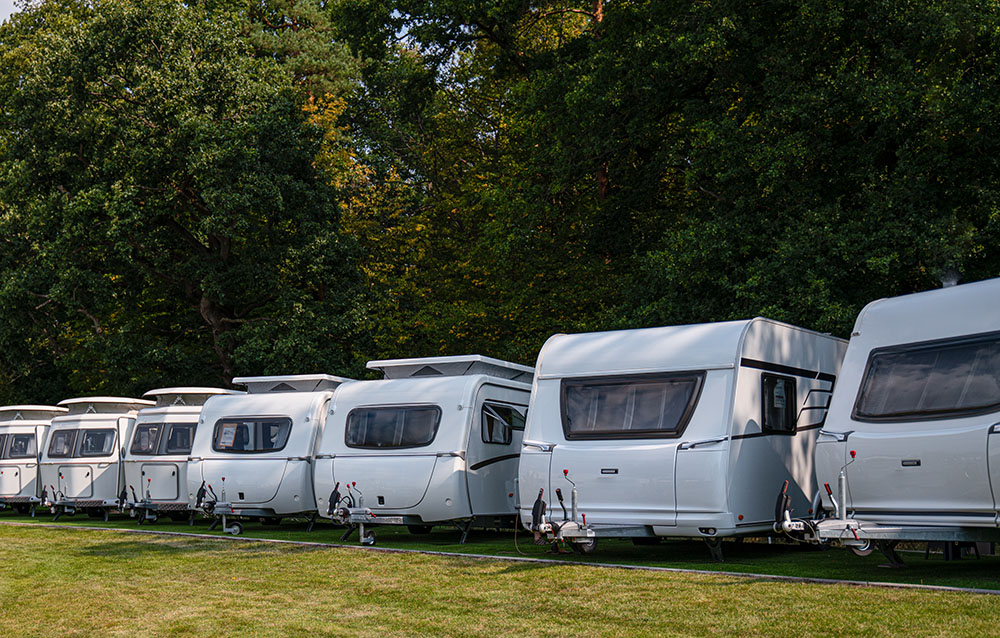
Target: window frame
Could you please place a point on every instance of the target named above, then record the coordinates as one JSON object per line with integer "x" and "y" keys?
{"x": 5, "y": 451}
{"x": 794, "y": 398}
{"x": 698, "y": 376}
{"x": 216, "y": 431}
{"x": 492, "y": 405}
{"x": 922, "y": 415}
{"x": 409, "y": 406}
{"x": 135, "y": 436}
{"x": 73, "y": 433}
{"x": 3, "y": 444}
{"x": 168, "y": 428}
{"x": 79, "y": 444}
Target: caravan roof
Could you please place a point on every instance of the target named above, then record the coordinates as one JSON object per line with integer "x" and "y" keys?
{"x": 29, "y": 412}
{"x": 664, "y": 349}
{"x": 460, "y": 365}
{"x": 290, "y": 383}
{"x": 168, "y": 397}
{"x": 104, "y": 405}
{"x": 931, "y": 314}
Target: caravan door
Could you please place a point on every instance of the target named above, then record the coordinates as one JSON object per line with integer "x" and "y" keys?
{"x": 925, "y": 414}
{"x": 620, "y": 445}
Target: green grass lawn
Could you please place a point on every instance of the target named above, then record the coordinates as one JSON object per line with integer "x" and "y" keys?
{"x": 86, "y": 583}
{"x": 747, "y": 557}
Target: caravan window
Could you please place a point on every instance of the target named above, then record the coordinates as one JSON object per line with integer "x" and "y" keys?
{"x": 633, "y": 406}
{"x": 178, "y": 437}
{"x": 253, "y": 435}
{"x": 392, "y": 427}
{"x": 62, "y": 443}
{"x": 779, "y": 411}
{"x": 22, "y": 446}
{"x": 934, "y": 380}
{"x": 3, "y": 440}
{"x": 97, "y": 442}
{"x": 499, "y": 423}
{"x": 144, "y": 441}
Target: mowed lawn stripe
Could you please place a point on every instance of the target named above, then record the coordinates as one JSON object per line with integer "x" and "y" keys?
{"x": 107, "y": 583}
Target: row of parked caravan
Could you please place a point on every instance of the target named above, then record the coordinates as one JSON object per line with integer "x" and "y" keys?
{"x": 685, "y": 431}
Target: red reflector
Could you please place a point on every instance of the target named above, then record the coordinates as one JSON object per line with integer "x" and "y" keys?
{"x": 510, "y": 494}
{"x": 353, "y": 483}
{"x": 740, "y": 517}
{"x": 565, "y": 472}
{"x": 853, "y": 453}
{"x": 810, "y": 510}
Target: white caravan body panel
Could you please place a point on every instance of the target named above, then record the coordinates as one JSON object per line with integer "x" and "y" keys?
{"x": 156, "y": 454}
{"x": 82, "y": 459}
{"x": 23, "y": 429}
{"x": 601, "y": 403}
{"x": 262, "y": 478}
{"x": 464, "y": 468}
{"x": 917, "y": 402}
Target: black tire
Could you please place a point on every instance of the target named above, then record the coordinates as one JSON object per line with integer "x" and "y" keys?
{"x": 236, "y": 528}
{"x": 863, "y": 550}
{"x": 420, "y": 529}
{"x": 94, "y": 512}
{"x": 585, "y": 546}
{"x": 369, "y": 538}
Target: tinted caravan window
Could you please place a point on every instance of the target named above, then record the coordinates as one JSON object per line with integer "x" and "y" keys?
{"x": 633, "y": 406}
{"x": 97, "y": 442}
{"x": 62, "y": 443}
{"x": 145, "y": 439}
{"x": 178, "y": 437}
{"x": 392, "y": 427}
{"x": 499, "y": 423}
{"x": 934, "y": 380}
{"x": 252, "y": 435}
{"x": 22, "y": 446}
{"x": 780, "y": 407}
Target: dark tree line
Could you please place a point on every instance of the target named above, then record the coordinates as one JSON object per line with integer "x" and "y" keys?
{"x": 192, "y": 191}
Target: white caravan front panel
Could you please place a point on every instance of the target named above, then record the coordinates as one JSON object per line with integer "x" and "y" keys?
{"x": 160, "y": 480}
{"x": 396, "y": 481}
{"x": 246, "y": 480}
{"x": 929, "y": 471}
{"x": 76, "y": 481}
{"x": 10, "y": 480}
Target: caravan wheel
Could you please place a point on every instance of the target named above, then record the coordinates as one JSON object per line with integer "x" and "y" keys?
{"x": 863, "y": 550}
{"x": 369, "y": 538}
{"x": 236, "y": 528}
{"x": 585, "y": 546}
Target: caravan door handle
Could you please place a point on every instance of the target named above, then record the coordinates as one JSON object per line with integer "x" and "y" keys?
{"x": 840, "y": 437}
{"x": 687, "y": 445}
{"x": 538, "y": 445}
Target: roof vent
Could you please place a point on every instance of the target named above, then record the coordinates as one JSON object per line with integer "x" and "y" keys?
{"x": 184, "y": 397}
{"x": 427, "y": 371}
{"x": 456, "y": 366}
{"x": 290, "y": 383}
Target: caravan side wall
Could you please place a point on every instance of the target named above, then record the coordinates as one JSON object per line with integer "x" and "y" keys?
{"x": 784, "y": 383}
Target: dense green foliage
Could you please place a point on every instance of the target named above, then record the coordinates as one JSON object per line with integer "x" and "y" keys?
{"x": 192, "y": 191}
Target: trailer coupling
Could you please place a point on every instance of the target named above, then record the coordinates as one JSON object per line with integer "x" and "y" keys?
{"x": 573, "y": 527}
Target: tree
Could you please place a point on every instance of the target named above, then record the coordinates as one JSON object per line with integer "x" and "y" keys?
{"x": 158, "y": 184}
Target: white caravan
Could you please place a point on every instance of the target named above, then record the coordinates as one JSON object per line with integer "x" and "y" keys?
{"x": 252, "y": 453}
{"x": 23, "y": 429}
{"x": 156, "y": 455}
{"x": 81, "y": 466}
{"x": 674, "y": 431}
{"x": 911, "y": 447}
{"x": 437, "y": 440}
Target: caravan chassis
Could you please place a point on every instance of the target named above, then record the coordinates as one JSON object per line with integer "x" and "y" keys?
{"x": 21, "y": 504}
{"x": 844, "y": 530}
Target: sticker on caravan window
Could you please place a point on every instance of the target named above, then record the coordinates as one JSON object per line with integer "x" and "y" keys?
{"x": 228, "y": 435}
{"x": 779, "y": 394}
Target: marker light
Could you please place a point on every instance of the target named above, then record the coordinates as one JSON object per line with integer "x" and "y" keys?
{"x": 853, "y": 453}
{"x": 223, "y": 479}
{"x": 810, "y": 510}
{"x": 565, "y": 472}
{"x": 510, "y": 494}
{"x": 740, "y": 517}
{"x": 353, "y": 483}
{"x": 584, "y": 518}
